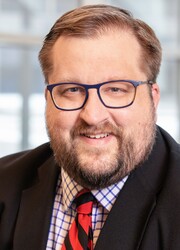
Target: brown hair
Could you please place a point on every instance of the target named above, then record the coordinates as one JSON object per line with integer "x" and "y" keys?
{"x": 93, "y": 20}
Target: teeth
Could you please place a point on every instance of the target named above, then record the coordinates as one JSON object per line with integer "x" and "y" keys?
{"x": 97, "y": 136}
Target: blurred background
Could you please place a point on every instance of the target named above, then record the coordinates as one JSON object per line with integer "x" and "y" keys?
{"x": 23, "y": 26}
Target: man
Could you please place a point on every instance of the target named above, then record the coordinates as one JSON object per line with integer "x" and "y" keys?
{"x": 100, "y": 66}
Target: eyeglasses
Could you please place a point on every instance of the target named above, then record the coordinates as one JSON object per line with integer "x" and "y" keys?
{"x": 115, "y": 94}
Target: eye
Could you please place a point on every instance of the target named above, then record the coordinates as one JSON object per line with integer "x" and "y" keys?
{"x": 116, "y": 90}
{"x": 73, "y": 89}
{"x": 121, "y": 89}
{"x": 69, "y": 90}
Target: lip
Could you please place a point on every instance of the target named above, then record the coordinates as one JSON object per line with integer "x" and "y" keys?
{"x": 100, "y": 139}
{"x": 96, "y": 136}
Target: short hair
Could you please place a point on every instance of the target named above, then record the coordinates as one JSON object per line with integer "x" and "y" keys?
{"x": 91, "y": 21}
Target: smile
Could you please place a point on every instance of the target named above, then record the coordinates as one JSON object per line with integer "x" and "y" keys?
{"x": 98, "y": 136}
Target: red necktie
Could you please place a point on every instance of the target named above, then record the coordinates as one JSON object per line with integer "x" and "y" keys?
{"x": 80, "y": 235}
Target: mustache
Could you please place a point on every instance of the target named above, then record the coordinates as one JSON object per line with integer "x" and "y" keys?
{"x": 83, "y": 128}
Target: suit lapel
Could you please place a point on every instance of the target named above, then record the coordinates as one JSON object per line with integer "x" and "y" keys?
{"x": 127, "y": 221}
{"x": 35, "y": 210}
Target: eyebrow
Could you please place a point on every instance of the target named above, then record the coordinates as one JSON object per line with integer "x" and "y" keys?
{"x": 68, "y": 79}
{"x": 77, "y": 80}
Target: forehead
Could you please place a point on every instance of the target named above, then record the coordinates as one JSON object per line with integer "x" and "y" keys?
{"x": 114, "y": 37}
{"x": 114, "y": 50}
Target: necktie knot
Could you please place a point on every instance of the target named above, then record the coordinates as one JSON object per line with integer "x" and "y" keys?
{"x": 84, "y": 202}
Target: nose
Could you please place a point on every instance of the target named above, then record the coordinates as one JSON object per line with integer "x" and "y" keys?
{"x": 94, "y": 112}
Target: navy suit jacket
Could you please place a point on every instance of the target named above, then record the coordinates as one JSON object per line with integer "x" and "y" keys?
{"x": 145, "y": 216}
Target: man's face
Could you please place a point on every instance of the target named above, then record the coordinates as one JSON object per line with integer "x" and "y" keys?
{"x": 97, "y": 146}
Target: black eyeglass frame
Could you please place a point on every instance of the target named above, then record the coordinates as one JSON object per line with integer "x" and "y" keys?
{"x": 96, "y": 86}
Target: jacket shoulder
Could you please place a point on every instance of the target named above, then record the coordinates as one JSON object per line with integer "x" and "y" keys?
{"x": 12, "y": 158}
{"x": 23, "y": 165}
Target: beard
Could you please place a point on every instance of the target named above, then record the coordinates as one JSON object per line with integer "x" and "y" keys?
{"x": 96, "y": 168}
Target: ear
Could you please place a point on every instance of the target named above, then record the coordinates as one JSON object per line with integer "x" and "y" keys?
{"x": 155, "y": 94}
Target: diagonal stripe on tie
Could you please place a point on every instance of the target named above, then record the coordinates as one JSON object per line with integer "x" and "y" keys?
{"x": 82, "y": 235}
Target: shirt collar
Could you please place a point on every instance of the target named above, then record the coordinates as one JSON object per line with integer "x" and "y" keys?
{"x": 69, "y": 189}
{"x": 106, "y": 196}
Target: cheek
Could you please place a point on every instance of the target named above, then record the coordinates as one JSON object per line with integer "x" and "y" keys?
{"x": 65, "y": 121}
{"x": 132, "y": 117}
{"x": 123, "y": 117}
{"x": 57, "y": 119}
